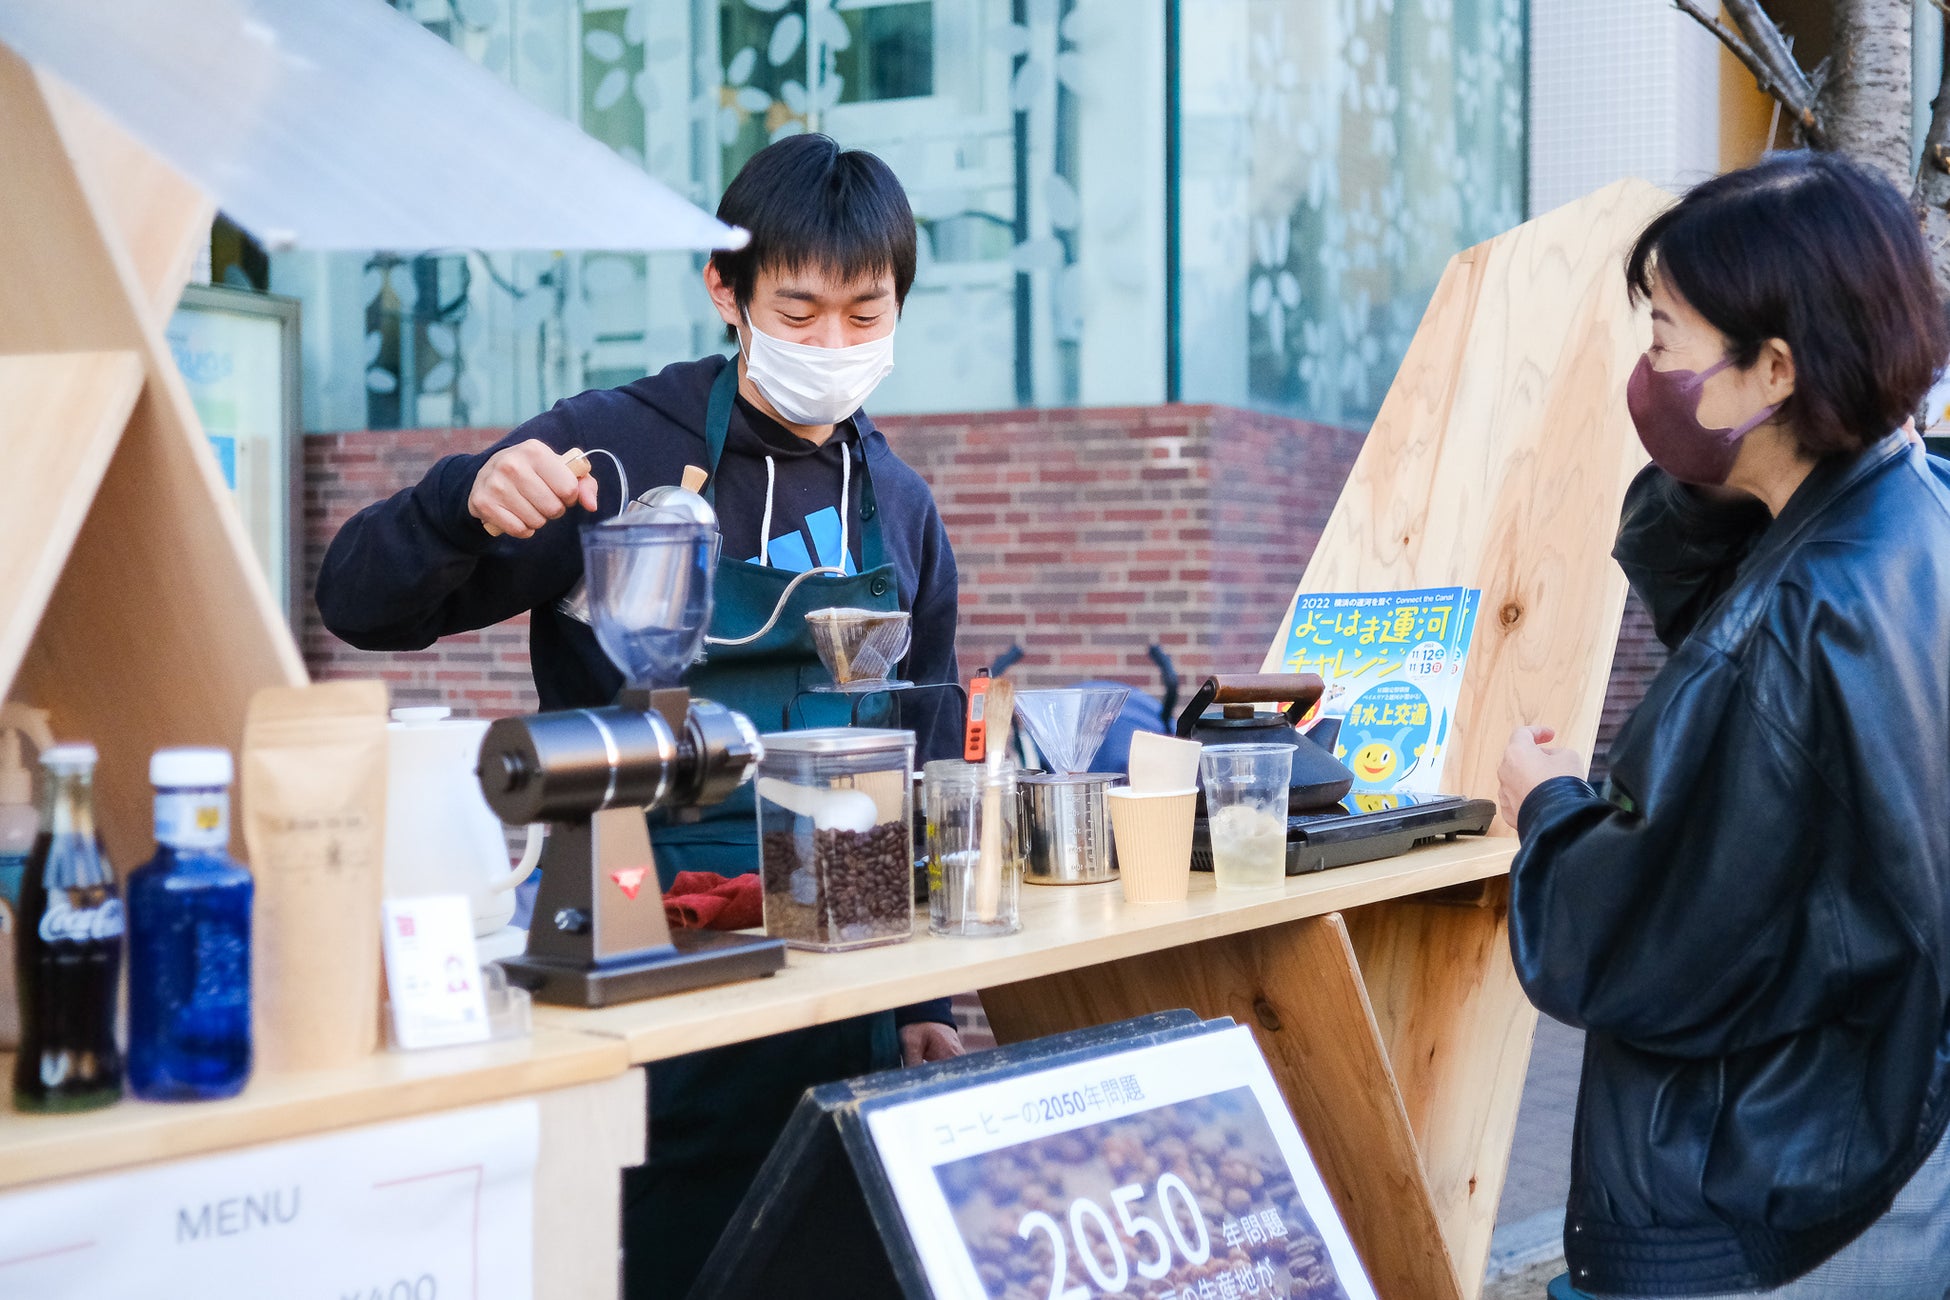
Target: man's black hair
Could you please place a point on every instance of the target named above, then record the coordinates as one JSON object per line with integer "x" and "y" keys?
{"x": 1820, "y": 252}
{"x": 811, "y": 205}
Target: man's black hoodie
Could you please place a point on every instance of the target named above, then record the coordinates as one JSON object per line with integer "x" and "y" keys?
{"x": 417, "y": 566}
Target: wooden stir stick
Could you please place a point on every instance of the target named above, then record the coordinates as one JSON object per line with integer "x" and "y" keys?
{"x": 998, "y": 715}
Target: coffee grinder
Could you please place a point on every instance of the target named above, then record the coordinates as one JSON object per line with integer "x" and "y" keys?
{"x": 1065, "y": 814}
{"x": 598, "y": 935}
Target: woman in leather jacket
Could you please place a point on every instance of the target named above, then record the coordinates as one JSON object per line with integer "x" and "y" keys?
{"x": 1752, "y": 921}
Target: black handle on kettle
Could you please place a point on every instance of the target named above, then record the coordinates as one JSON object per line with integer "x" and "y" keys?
{"x": 1304, "y": 689}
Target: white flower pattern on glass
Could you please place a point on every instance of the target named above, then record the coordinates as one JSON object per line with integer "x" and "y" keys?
{"x": 1275, "y": 289}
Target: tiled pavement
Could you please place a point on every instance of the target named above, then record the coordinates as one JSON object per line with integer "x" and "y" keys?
{"x": 1530, "y": 1218}
{"x": 1540, "y": 1159}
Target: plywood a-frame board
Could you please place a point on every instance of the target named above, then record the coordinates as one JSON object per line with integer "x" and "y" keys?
{"x": 130, "y": 603}
{"x": 1498, "y": 461}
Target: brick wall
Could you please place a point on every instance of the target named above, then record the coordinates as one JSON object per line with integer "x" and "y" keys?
{"x": 1084, "y": 535}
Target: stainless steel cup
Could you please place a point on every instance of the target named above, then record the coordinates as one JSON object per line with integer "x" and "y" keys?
{"x": 1066, "y": 822}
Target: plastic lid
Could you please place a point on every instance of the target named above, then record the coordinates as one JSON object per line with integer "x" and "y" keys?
{"x": 77, "y": 757}
{"x": 190, "y": 769}
{"x": 422, "y": 714}
{"x": 837, "y": 740}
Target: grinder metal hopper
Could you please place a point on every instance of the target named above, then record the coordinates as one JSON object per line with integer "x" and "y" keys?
{"x": 1068, "y": 726}
{"x": 649, "y": 595}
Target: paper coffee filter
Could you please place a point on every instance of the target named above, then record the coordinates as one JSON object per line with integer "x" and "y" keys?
{"x": 1160, "y": 763}
{"x": 1068, "y": 726}
{"x": 859, "y": 645}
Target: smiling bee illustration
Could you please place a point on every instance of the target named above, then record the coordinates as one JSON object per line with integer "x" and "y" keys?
{"x": 1386, "y": 735}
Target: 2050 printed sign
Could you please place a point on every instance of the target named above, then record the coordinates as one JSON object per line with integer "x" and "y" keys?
{"x": 1169, "y": 1172}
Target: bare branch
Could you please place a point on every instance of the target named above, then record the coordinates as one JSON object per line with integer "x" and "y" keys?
{"x": 1759, "y": 45}
{"x": 1943, "y": 7}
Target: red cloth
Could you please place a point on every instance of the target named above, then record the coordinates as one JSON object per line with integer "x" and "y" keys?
{"x": 705, "y": 900}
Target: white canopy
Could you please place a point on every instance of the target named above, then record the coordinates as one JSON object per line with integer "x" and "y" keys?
{"x": 343, "y": 124}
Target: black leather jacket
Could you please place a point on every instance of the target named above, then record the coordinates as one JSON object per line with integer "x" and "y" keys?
{"x": 1753, "y": 922}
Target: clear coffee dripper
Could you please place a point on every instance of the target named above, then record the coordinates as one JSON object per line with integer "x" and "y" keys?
{"x": 1066, "y": 820}
{"x": 1068, "y": 726}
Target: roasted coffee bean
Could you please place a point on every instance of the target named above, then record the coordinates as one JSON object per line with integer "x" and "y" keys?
{"x": 838, "y": 888}
{"x": 1235, "y": 1173}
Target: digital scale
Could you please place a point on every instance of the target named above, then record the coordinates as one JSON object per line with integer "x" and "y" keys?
{"x": 1366, "y": 828}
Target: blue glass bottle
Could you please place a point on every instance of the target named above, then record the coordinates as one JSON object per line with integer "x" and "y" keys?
{"x": 190, "y": 940}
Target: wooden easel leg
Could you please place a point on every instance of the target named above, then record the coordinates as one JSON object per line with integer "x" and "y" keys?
{"x": 1299, "y": 989}
{"x": 160, "y": 625}
{"x": 1457, "y": 1029}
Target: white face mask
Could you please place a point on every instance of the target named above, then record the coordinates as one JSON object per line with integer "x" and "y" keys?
{"x": 809, "y": 385}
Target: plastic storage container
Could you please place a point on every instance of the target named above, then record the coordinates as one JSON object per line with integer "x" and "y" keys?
{"x": 835, "y": 810}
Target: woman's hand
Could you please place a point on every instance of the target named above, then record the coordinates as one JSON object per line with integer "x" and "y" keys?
{"x": 927, "y": 1041}
{"x": 1530, "y": 761}
{"x": 522, "y": 487}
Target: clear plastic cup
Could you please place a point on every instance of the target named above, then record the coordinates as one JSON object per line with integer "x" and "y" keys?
{"x": 1245, "y": 811}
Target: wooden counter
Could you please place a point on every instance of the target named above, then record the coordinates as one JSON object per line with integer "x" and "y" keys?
{"x": 384, "y": 1086}
{"x": 1064, "y": 928}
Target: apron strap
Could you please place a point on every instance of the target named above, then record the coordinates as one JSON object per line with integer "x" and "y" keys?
{"x": 717, "y": 429}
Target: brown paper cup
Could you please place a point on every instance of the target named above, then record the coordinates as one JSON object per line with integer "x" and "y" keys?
{"x": 1154, "y": 843}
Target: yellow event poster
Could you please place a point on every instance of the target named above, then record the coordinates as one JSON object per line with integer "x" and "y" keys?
{"x": 1393, "y": 665}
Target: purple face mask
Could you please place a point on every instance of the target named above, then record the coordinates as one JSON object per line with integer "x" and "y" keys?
{"x": 1665, "y": 407}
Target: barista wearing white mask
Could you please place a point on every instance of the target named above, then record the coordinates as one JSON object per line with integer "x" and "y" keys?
{"x": 801, "y": 480}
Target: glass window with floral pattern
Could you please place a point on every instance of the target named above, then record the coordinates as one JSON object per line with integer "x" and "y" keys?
{"x": 1332, "y": 154}
{"x": 1335, "y": 153}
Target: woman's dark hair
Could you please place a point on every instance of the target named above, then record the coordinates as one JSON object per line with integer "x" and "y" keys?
{"x": 811, "y": 205}
{"x": 1825, "y": 255}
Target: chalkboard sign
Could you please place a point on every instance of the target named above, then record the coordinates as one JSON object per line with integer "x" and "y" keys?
{"x": 1152, "y": 1159}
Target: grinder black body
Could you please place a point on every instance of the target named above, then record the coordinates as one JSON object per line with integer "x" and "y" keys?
{"x": 599, "y": 936}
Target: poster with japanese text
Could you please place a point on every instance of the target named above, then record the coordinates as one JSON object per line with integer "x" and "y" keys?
{"x": 1393, "y": 666}
{"x": 1167, "y": 1172}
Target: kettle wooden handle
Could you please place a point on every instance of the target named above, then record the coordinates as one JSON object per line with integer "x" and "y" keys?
{"x": 1302, "y": 689}
{"x": 574, "y": 460}
{"x": 1268, "y": 688}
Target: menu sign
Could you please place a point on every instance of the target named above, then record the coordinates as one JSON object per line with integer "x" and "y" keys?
{"x": 1167, "y": 1172}
{"x": 430, "y": 1208}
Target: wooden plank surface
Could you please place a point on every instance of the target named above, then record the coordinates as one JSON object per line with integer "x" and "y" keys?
{"x": 1498, "y": 461}
{"x": 155, "y": 212}
{"x": 64, "y": 290}
{"x": 1064, "y": 928}
{"x": 61, "y": 416}
{"x": 589, "y": 1135}
{"x": 162, "y": 624}
{"x": 1457, "y": 1030}
{"x": 1296, "y": 986}
{"x": 387, "y": 1085}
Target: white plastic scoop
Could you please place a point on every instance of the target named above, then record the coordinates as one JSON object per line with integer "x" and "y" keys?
{"x": 830, "y": 810}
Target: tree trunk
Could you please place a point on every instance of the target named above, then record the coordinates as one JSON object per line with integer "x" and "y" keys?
{"x": 1932, "y": 194}
{"x": 1865, "y": 101}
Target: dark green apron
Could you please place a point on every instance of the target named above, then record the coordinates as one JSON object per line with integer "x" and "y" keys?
{"x": 714, "y": 1115}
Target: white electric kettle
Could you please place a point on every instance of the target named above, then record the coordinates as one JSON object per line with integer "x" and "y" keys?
{"x": 441, "y": 837}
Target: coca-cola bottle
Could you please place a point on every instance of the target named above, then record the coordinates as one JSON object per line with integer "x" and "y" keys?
{"x": 68, "y": 952}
